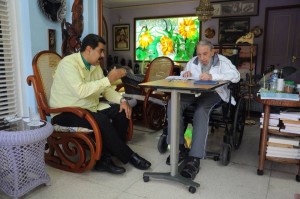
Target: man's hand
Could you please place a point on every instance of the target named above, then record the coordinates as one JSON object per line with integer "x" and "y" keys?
{"x": 128, "y": 110}
{"x": 116, "y": 74}
{"x": 187, "y": 74}
{"x": 205, "y": 76}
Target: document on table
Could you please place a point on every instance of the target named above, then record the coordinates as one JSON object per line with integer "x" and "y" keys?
{"x": 206, "y": 82}
{"x": 180, "y": 78}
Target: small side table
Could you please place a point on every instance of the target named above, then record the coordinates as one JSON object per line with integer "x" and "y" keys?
{"x": 22, "y": 166}
{"x": 265, "y": 132}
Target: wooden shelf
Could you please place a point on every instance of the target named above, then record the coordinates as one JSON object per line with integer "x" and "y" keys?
{"x": 265, "y": 132}
{"x": 284, "y": 160}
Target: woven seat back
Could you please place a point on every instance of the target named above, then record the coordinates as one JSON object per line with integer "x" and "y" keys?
{"x": 160, "y": 68}
{"x": 46, "y": 63}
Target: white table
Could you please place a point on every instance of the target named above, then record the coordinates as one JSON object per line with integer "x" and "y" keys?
{"x": 176, "y": 87}
{"x": 22, "y": 150}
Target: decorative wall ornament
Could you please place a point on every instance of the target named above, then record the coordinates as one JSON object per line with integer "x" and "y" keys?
{"x": 257, "y": 31}
{"x": 52, "y": 40}
{"x": 55, "y": 10}
{"x": 71, "y": 33}
{"x": 209, "y": 33}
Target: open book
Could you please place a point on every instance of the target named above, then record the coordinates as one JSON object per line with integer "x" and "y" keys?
{"x": 180, "y": 78}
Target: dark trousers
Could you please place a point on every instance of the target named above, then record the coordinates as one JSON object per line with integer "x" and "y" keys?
{"x": 113, "y": 127}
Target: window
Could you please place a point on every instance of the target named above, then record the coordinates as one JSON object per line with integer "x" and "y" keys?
{"x": 8, "y": 94}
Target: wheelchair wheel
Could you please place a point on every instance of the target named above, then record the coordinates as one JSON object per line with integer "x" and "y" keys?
{"x": 162, "y": 144}
{"x": 239, "y": 123}
{"x": 156, "y": 116}
{"x": 226, "y": 154}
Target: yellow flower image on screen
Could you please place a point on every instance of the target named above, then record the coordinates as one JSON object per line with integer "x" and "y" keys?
{"x": 174, "y": 37}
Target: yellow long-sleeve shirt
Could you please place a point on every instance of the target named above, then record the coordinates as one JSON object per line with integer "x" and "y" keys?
{"x": 75, "y": 86}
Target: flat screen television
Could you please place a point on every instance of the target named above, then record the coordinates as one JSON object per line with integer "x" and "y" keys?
{"x": 175, "y": 37}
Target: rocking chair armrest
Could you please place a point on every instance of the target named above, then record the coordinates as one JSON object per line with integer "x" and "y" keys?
{"x": 82, "y": 113}
{"x": 134, "y": 87}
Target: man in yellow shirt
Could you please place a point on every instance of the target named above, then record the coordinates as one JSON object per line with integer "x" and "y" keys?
{"x": 79, "y": 82}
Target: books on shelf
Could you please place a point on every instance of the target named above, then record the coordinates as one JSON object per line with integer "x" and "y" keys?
{"x": 293, "y": 128}
{"x": 290, "y": 122}
{"x": 278, "y": 155}
{"x": 281, "y": 145}
{"x": 273, "y": 121}
{"x": 283, "y": 152}
{"x": 286, "y": 115}
{"x": 290, "y": 131}
{"x": 284, "y": 140}
{"x": 279, "y": 96}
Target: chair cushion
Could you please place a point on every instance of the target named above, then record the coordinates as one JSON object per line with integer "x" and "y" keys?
{"x": 71, "y": 129}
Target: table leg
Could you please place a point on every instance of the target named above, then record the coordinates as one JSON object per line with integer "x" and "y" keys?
{"x": 173, "y": 175}
{"x": 263, "y": 141}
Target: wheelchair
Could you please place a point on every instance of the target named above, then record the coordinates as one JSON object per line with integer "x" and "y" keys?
{"x": 231, "y": 118}
{"x": 226, "y": 115}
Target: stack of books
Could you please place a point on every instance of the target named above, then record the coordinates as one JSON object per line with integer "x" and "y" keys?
{"x": 273, "y": 121}
{"x": 283, "y": 147}
{"x": 290, "y": 122}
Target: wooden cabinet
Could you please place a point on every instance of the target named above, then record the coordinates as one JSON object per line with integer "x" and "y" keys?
{"x": 267, "y": 103}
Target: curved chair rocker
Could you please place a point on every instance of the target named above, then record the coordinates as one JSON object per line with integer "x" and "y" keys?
{"x": 225, "y": 115}
{"x": 153, "y": 103}
{"x": 69, "y": 151}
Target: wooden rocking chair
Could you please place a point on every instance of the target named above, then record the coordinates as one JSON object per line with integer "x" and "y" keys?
{"x": 69, "y": 151}
{"x": 153, "y": 103}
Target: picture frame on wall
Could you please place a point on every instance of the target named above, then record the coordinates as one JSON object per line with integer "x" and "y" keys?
{"x": 231, "y": 29}
{"x": 121, "y": 37}
{"x": 236, "y": 8}
{"x": 52, "y": 40}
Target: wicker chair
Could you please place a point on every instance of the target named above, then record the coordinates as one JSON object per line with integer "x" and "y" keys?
{"x": 69, "y": 151}
{"x": 153, "y": 103}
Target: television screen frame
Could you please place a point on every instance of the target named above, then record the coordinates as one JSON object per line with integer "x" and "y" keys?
{"x": 173, "y": 36}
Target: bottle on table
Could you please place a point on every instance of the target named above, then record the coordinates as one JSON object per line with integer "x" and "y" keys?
{"x": 273, "y": 81}
{"x": 280, "y": 83}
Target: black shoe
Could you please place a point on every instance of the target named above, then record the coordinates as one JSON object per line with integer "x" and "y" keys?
{"x": 139, "y": 162}
{"x": 181, "y": 156}
{"x": 108, "y": 165}
{"x": 191, "y": 168}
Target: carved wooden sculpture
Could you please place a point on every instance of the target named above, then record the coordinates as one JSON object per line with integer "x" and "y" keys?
{"x": 71, "y": 33}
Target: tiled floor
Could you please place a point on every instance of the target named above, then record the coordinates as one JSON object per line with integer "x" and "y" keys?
{"x": 238, "y": 180}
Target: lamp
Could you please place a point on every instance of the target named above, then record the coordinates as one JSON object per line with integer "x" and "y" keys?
{"x": 248, "y": 38}
{"x": 205, "y": 10}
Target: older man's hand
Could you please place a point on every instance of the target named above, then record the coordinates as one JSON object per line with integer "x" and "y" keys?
{"x": 205, "y": 76}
